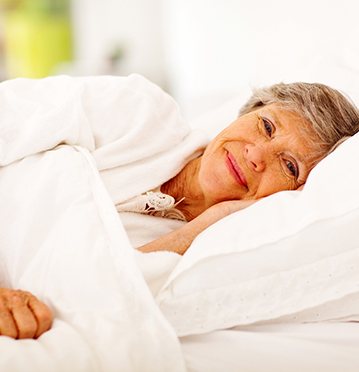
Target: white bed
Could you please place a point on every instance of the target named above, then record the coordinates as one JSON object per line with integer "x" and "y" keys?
{"x": 285, "y": 299}
{"x": 316, "y": 347}
{"x": 328, "y": 346}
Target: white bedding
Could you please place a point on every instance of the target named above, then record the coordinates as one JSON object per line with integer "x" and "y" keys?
{"x": 65, "y": 159}
{"x": 312, "y": 347}
{"x": 62, "y": 239}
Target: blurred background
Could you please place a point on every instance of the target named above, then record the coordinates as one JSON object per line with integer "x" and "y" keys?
{"x": 202, "y": 52}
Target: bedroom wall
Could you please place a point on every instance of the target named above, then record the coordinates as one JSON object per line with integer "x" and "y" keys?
{"x": 205, "y": 51}
{"x": 134, "y": 26}
{"x": 215, "y": 48}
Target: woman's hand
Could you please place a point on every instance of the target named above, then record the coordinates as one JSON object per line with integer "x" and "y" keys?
{"x": 223, "y": 209}
{"x": 178, "y": 241}
{"x": 22, "y": 315}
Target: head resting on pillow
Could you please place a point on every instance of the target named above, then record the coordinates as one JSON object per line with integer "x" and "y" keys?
{"x": 281, "y": 133}
{"x": 331, "y": 116}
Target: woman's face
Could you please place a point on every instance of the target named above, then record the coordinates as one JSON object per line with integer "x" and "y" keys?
{"x": 259, "y": 154}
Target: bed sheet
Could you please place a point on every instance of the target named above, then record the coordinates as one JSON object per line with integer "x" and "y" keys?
{"x": 310, "y": 347}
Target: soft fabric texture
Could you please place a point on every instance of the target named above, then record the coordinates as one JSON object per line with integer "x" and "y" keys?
{"x": 292, "y": 256}
{"x": 61, "y": 236}
{"x": 314, "y": 347}
{"x": 133, "y": 129}
{"x": 62, "y": 239}
{"x": 154, "y": 203}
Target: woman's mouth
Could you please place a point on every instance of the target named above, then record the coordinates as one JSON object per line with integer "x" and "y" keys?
{"x": 235, "y": 170}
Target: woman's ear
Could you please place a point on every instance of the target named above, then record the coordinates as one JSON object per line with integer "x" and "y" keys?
{"x": 301, "y": 187}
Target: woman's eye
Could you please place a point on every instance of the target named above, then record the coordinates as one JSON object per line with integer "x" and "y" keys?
{"x": 292, "y": 168}
{"x": 268, "y": 127}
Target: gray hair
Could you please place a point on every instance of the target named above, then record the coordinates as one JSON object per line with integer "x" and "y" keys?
{"x": 331, "y": 116}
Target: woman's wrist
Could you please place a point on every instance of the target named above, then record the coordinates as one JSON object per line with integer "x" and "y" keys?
{"x": 174, "y": 241}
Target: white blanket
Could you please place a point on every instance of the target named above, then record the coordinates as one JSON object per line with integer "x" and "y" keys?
{"x": 61, "y": 237}
{"x": 132, "y": 128}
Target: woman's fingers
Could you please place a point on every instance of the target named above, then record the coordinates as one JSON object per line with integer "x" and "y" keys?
{"x": 7, "y": 323}
{"x": 42, "y": 314}
{"x": 231, "y": 206}
{"x": 238, "y": 205}
{"x": 22, "y": 315}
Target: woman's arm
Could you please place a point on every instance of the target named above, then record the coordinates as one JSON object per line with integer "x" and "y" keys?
{"x": 22, "y": 315}
{"x": 178, "y": 241}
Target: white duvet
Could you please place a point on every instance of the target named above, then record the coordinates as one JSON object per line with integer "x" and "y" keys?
{"x": 61, "y": 237}
{"x": 70, "y": 148}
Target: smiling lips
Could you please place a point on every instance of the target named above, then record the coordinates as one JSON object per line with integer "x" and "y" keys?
{"x": 235, "y": 170}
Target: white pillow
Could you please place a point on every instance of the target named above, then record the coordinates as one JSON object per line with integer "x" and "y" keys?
{"x": 292, "y": 256}
{"x": 216, "y": 120}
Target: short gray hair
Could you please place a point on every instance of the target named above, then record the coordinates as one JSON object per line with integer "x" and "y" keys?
{"x": 331, "y": 115}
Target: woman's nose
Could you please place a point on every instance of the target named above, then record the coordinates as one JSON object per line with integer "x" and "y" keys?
{"x": 255, "y": 157}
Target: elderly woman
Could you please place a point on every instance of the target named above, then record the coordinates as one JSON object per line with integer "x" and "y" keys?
{"x": 282, "y": 132}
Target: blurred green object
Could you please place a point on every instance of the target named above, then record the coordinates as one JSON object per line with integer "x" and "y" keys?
{"x": 38, "y": 37}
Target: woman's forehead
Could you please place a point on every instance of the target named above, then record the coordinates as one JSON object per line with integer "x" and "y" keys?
{"x": 285, "y": 117}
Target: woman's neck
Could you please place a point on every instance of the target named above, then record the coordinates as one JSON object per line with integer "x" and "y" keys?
{"x": 185, "y": 184}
